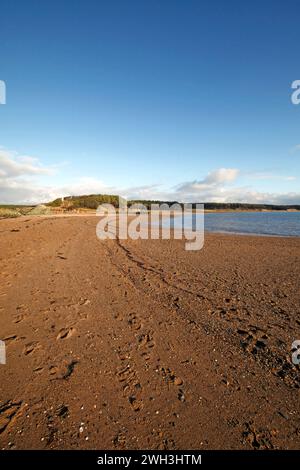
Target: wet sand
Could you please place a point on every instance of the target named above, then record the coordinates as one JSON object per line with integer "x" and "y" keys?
{"x": 143, "y": 345}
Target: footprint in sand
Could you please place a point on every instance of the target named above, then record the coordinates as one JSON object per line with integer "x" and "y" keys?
{"x": 61, "y": 256}
{"x": 22, "y": 313}
{"x": 131, "y": 387}
{"x": 65, "y": 333}
{"x": 10, "y": 338}
{"x": 31, "y": 347}
{"x": 7, "y": 412}
{"x": 19, "y": 318}
{"x": 252, "y": 342}
{"x": 135, "y": 403}
{"x": 63, "y": 370}
{"x": 119, "y": 440}
{"x": 145, "y": 345}
{"x": 134, "y": 322}
{"x": 171, "y": 378}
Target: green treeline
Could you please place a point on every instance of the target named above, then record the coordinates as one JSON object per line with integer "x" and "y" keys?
{"x": 92, "y": 201}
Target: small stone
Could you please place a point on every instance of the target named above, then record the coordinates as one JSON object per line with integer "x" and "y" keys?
{"x": 178, "y": 381}
{"x": 283, "y": 414}
{"x": 226, "y": 382}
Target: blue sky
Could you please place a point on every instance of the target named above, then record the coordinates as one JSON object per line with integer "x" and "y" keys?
{"x": 187, "y": 100}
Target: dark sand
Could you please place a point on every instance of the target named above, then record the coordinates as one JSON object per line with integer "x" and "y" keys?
{"x": 143, "y": 345}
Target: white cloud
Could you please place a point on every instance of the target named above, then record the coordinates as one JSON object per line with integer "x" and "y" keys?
{"x": 20, "y": 183}
{"x": 222, "y": 190}
{"x": 12, "y": 165}
{"x": 222, "y": 175}
{"x": 212, "y": 180}
{"x": 18, "y": 175}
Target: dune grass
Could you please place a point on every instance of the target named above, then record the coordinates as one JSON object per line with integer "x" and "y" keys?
{"x": 10, "y": 210}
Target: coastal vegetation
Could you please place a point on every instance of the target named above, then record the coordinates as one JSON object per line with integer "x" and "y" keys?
{"x": 90, "y": 202}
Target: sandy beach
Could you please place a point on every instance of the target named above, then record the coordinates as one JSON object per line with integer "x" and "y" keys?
{"x": 143, "y": 345}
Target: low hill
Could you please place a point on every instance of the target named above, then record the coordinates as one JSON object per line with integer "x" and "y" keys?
{"x": 92, "y": 201}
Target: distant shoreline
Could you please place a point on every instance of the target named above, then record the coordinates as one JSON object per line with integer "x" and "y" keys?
{"x": 32, "y": 211}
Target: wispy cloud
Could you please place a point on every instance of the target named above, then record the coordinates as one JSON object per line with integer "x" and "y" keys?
{"x": 13, "y": 165}
{"x": 290, "y": 178}
{"x": 214, "y": 179}
{"x": 268, "y": 175}
{"x": 295, "y": 149}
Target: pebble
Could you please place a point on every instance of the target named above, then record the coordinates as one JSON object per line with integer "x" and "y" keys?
{"x": 178, "y": 381}
{"x": 283, "y": 414}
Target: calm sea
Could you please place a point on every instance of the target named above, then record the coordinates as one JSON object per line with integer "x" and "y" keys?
{"x": 259, "y": 223}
